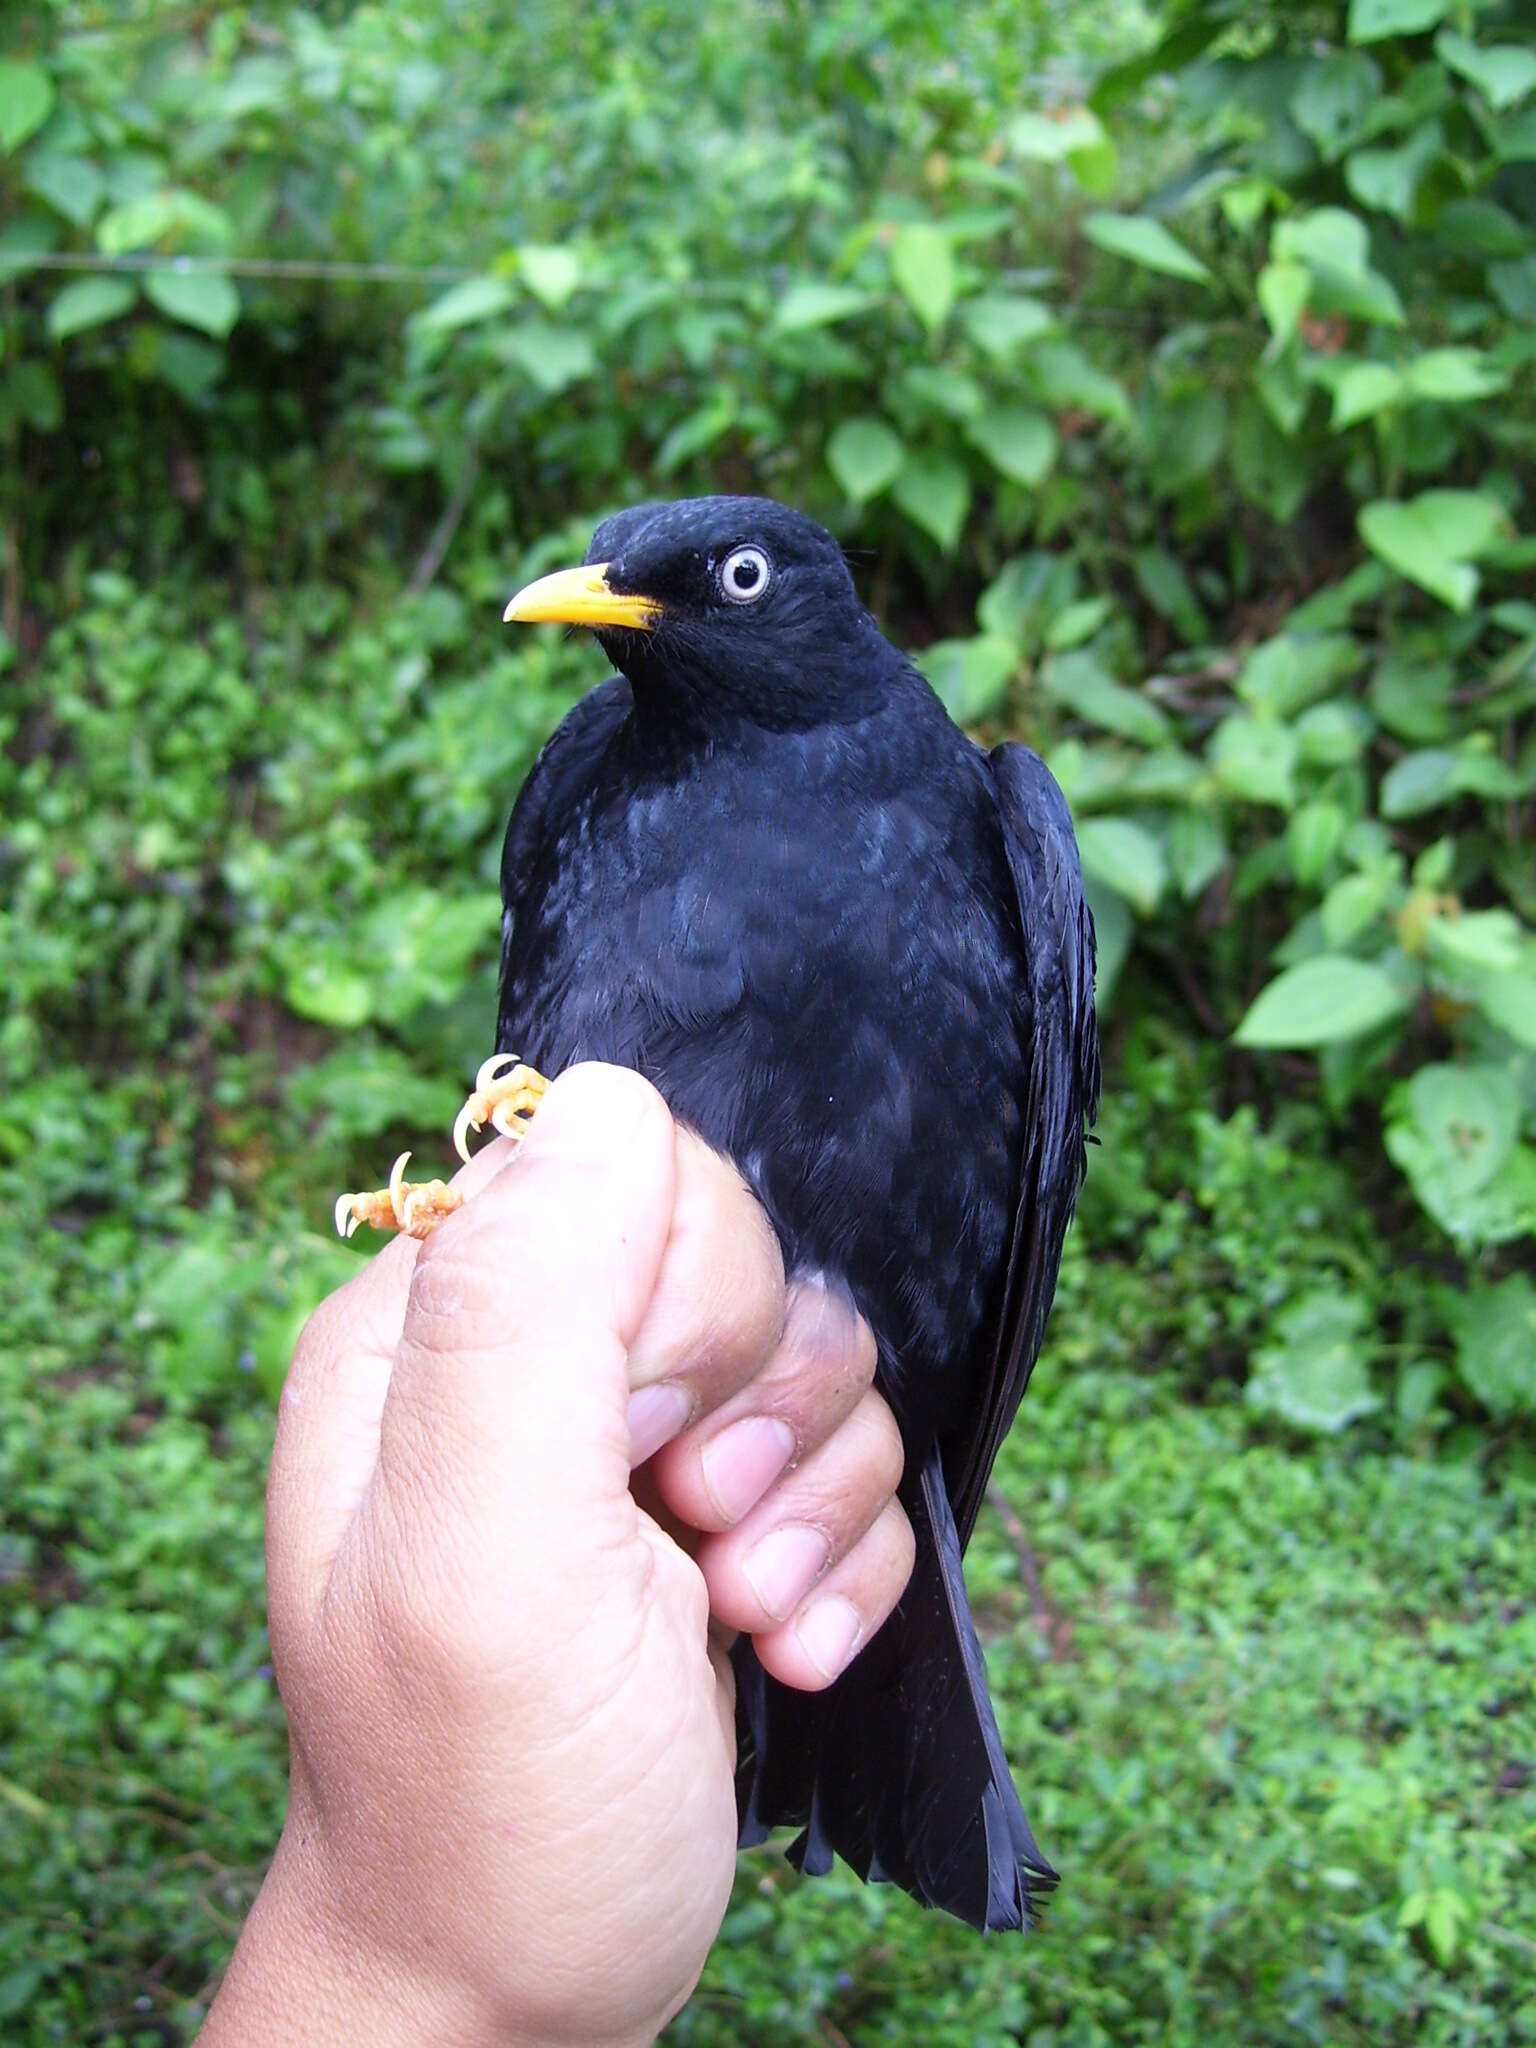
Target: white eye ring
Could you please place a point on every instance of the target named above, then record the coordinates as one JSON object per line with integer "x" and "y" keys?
{"x": 744, "y": 575}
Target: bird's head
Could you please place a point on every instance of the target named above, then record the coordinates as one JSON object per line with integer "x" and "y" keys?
{"x": 718, "y": 608}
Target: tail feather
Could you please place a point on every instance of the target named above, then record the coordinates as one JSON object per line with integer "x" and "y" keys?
{"x": 898, "y": 1768}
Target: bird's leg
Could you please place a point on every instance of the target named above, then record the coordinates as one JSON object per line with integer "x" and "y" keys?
{"x": 506, "y": 1093}
{"x": 414, "y": 1207}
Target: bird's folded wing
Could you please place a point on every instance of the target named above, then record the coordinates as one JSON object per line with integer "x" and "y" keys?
{"x": 1062, "y": 1095}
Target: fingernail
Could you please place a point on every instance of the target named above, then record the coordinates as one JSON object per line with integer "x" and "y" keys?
{"x": 742, "y": 1462}
{"x": 656, "y": 1415}
{"x": 783, "y": 1566}
{"x": 829, "y": 1633}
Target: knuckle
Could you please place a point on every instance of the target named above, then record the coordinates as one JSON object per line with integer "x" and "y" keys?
{"x": 884, "y": 1453}
{"x": 832, "y": 1345}
{"x": 865, "y": 1354}
{"x": 902, "y": 1548}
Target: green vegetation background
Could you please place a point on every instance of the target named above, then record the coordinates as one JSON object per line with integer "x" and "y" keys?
{"x": 1168, "y": 371}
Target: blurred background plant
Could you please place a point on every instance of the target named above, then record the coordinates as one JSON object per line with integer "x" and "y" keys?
{"x": 1167, "y": 370}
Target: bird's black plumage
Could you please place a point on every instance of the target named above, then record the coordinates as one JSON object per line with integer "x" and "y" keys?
{"x": 851, "y": 949}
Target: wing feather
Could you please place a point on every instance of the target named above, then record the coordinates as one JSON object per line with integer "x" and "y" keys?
{"x": 1063, "y": 1089}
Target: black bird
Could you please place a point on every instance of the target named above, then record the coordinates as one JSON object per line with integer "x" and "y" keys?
{"x": 851, "y": 949}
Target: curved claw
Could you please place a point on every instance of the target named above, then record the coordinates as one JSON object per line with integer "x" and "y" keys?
{"x": 482, "y": 1104}
{"x": 347, "y": 1218}
{"x": 466, "y": 1121}
{"x": 492, "y": 1069}
{"x": 397, "y": 1188}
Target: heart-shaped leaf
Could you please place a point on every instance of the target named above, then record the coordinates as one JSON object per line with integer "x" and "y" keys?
{"x": 865, "y": 455}
{"x": 1432, "y": 539}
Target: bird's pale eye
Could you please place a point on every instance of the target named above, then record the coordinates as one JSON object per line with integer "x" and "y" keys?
{"x": 744, "y": 575}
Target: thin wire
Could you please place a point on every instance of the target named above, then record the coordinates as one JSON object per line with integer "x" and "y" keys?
{"x": 321, "y": 270}
{"x": 316, "y": 270}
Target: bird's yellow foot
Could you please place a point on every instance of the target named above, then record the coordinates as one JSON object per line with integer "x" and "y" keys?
{"x": 414, "y": 1207}
{"x": 506, "y": 1094}
{"x": 505, "y": 1091}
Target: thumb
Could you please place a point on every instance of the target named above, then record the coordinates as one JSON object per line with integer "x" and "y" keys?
{"x": 510, "y": 1384}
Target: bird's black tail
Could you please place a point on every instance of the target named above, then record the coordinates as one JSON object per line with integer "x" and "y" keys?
{"x": 898, "y": 1767}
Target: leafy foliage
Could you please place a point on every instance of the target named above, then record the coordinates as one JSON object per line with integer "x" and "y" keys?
{"x": 1169, "y": 373}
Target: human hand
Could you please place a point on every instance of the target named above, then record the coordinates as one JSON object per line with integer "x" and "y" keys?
{"x": 512, "y": 1814}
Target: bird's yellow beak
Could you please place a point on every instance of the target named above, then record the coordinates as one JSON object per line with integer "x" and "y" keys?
{"x": 580, "y": 597}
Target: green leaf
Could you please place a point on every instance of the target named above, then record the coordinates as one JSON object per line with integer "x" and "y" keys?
{"x": 89, "y": 302}
{"x": 935, "y": 494}
{"x": 1335, "y": 95}
{"x": 1283, "y": 290}
{"x": 1016, "y": 440}
{"x": 1284, "y": 388}
{"x": 923, "y": 265}
{"x": 1333, "y": 734}
{"x": 1162, "y": 582}
{"x": 697, "y": 432}
{"x": 26, "y": 101}
{"x": 1283, "y": 674}
{"x": 1502, "y": 72}
{"x": 1388, "y": 180}
{"x": 35, "y": 392}
{"x": 72, "y": 185}
{"x": 1026, "y": 594}
{"x": 1469, "y": 1117}
{"x": 1501, "y": 1211}
{"x": 1495, "y": 1333}
{"x": 1197, "y": 851}
{"x": 1508, "y": 999}
{"x": 1353, "y": 905}
{"x": 1057, "y": 137}
{"x": 1255, "y": 757}
{"x": 1491, "y": 939}
{"x": 1084, "y": 688}
{"x": 1371, "y": 21}
{"x": 1123, "y": 856}
{"x": 1432, "y": 539}
{"x": 1077, "y": 622}
{"x": 934, "y": 389}
{"x": 465, "y": 305}
{"x": 329, "y": 991}
{"x": 1001, "y": 326}
{"x": 195, "y": 224}
{"x": 1320, "y": 1002}
{"x": 552, "y": 357}
{"x": 817, "y": 305}
{"x": 1144, "y": 241}
{"x": 550, "y": 271}
{"x": 1421, "y": 781}
{"x": 1312, "y": 835}
{"x": 1270, "y": 470}
{"x": 1065, "y": 377}
{"x": 1411, "y": 695}
{"x": 970, "y": 676}
{"x": 865, "y": 456}
{"x": 1514, "y": 137}
{"x": 1432, "y": 776}
{"x": 1453, "y": 376}
{"x": 1361, "y": 390}
{"x": 202, "y": 298}
{"x": 1334, "y": 245}
{"x": 1315, "y": 1375}
{"x": 1329, "y": 238}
